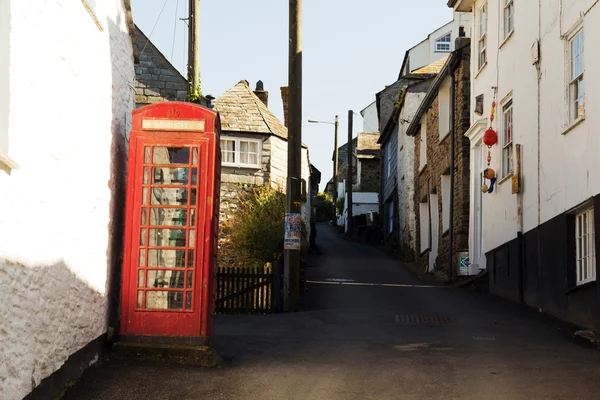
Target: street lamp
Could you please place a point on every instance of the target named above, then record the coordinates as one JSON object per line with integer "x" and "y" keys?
{"x": 335, "y": 163}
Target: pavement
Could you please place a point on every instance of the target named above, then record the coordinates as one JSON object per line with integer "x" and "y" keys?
{"x": 369, "y": 329}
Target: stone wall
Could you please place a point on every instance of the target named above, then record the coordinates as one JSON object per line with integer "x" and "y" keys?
{"x": 370, "y": 169}
{"x": 156, "y": 79}
{"x": 61, "y": 211}
{"x": 428, "y": 181}
{"x": 231, "y": 195}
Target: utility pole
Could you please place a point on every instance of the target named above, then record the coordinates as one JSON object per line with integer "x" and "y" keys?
{"x": 335, "y": 171}
{"x": 194, "y": 48}
{"x": 291, "y": 272}
{"x": 349, "y": 179}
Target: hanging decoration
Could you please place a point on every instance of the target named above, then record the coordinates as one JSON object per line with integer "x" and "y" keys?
{"x": 490, "y": 138}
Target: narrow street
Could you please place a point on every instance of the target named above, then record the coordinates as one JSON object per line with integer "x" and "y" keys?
{"x": 356, "y": 341}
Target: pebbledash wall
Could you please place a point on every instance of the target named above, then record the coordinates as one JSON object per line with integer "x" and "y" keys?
{"x": 528, "y": 239}
{"x": 61, "y": 204}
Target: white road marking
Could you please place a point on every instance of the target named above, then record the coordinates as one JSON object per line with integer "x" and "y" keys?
{"x": 375, "y": 284}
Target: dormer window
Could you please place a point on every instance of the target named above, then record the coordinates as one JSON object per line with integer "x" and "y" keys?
{"x": 444, "y": 43}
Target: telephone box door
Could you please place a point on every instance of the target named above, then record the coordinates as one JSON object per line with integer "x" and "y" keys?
{"x": 165, "y": 246}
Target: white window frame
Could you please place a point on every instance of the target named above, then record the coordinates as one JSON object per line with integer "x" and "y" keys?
{"x": 444, "y": 109}
{"x": 424, "y": 226}
{"x": 423, "y": 145}
{"x": 575, "y": 83}
{"x": 585, "y": 247}
{"x": 388, "y": 160}
{"x": 507, "y": 142}
{"x": 445, "y": 183}
{"x": 236, "y": 163}
{"x": 482, "y": 17}
{"x": 440, "y": 41}
{"x": 390, "y": 217}
{"x": 509, "y": 17}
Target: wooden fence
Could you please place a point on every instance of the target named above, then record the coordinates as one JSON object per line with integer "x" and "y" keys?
{"x": 246, "y": 291}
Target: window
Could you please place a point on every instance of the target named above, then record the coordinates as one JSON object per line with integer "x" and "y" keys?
{"x": 482, "y": 43}
{"x": 444, "y": 109}
{"x": 444, "y": 43}
{"x": 388, "y": 161}
{"x": 509, "y": 20}
{"x": 241, "y": 152}
{"x": 576, "y": 93}
{"x": 423, "y": 144}
{"x": 585, "y": 246}
{"x": 507, "y": 139}
{"x": 424, "y": 225}
{"x": 390, "y": 216}
{"x": 445, "y": 202}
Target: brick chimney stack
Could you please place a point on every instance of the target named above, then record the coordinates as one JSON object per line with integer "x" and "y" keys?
{"x": 261, "y": 93}
{"x": 284, "y": 98}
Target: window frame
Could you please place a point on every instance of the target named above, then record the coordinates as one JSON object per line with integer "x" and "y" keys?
{"x": 445, "y": 184}
{"x": 507, "y": 146}
{"x": 508, "y": 17}
{"x": 575, "y": 84}
{"x": 482, "y": 16}
{"x": 236, "y": 152}
{"x": 424, "y": 222}
{"x": 388, "y": 161}
{"x": 390, "y": 217}
{"x": 585, "y": 240}
{"x": 439, "y": 41}
{"x": 423, "y": 144}
{"x": 444, "y": 109}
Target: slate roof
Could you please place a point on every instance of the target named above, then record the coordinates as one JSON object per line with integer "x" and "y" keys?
{"x": 242, "y": 111}
{"x": 433, "y": 68}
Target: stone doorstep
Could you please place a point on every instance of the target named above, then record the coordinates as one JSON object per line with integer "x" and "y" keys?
{"x": 202, "y": 356}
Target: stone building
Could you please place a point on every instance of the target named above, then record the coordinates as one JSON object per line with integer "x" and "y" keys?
{"x": 156, "y": 79}
{"x": 440, "y": 151}
{"x": 368, "y": 156}
{"x": 62, "y": 180}
{"x": 254, "y": 150}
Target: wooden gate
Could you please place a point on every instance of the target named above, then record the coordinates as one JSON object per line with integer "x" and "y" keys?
{"x": 246, "y": 291}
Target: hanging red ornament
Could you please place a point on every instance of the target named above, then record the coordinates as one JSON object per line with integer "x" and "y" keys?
{"x": 490, "y": 137}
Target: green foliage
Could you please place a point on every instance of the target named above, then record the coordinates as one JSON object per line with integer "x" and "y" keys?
{"x": 257, "y": 227}
{"x": 323, "y": 207}
{"x": 340, "y": 205}
{"x": 194, "y": 94}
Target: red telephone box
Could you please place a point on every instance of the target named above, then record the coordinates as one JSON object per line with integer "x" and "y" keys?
{"x": 169, "y": 262}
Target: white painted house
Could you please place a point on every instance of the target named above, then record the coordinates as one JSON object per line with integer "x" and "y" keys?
{"x": 66, "y": 93}
{"x": 537, "y": 60}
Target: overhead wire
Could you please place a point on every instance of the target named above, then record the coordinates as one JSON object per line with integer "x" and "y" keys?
{"x": 174, "y": 30}
{"x": 154, "y": 27}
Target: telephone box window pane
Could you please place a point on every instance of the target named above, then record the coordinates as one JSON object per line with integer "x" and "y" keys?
{"x": 193, "y": 200}
{"x": 170, "y": 176}
{"x": 192, "y": 217}
{"x": 145, "y": 196}
{"x": 147, "y": 155}
{"x": 142, "y": 258}
{"x": 189, "y": 279}
{"x": 194, "y": 176}
{"x": 169, "y": 196}
{"x": 190, "y": 258}
{"x": 171, "y": 155}
{"x": 140, "y": 299}
{"x": 188, "y": 300}
{"x": 165, "y": 279}
{"x": 192, "y": 238}
{"x": 166, "y": 258}
{"x": 168, "y": 216}
{"x": 142, "y": 237}
{"x": 195, "y": 156}
{"x": 141, "y": 278}
{"x": 167, "y": 237}
{"x": 163, "y": 300}
{"x": 144, "y": 216}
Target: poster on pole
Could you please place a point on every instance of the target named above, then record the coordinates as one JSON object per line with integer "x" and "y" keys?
{"x": 293, "y": 235}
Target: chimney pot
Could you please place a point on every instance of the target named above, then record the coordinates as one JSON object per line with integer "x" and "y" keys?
{"x": 260, "y": 86}
{"x": 261, "y": 93}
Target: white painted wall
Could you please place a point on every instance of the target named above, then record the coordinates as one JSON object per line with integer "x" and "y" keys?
{"x": 370, "y": 119}
{"x": 4, "y": 76}
{"x": 568, "y": 164}
{"x": 71, "y": 91}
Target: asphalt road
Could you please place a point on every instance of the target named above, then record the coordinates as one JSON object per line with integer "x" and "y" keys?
{"x": 354, "y": 341}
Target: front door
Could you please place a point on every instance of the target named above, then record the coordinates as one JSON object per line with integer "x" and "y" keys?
{"x": 164, "y": 272}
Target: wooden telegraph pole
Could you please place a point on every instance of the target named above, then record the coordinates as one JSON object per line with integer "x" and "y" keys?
{"x": 335, "y": 171}
{"x": 194, "y": 49}
{"x": 291, "y": 273}
{"x": 349, "y": 178}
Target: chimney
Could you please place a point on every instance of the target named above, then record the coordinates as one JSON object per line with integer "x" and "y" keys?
{"x": 284, "y": 99}
{"x": 461, "y": 31}
{"x": 261, "y": 94}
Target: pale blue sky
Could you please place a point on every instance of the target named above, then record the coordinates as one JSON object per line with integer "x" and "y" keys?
{"x": 352, "y": 49}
